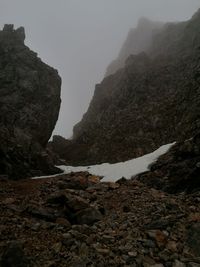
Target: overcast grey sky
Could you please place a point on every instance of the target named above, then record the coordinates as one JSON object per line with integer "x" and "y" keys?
{"x": 81, "y": 37}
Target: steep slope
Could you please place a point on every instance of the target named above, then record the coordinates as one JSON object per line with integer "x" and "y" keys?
{"x": 29, "y": 106}
{"x": 138, "y": 40}
{"x": 152, "y": 101}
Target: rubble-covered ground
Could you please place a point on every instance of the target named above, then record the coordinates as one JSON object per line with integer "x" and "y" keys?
{"x": 74, "y": 220}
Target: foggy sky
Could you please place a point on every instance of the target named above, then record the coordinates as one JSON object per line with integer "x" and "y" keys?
{"x": 81, "y": 37}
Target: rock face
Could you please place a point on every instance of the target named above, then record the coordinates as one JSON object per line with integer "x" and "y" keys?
{"x": 29, "y": 106}
{"x": 152, "y": 101}
{"x": 138, "y": 40}
{"x": 178, "y": 170}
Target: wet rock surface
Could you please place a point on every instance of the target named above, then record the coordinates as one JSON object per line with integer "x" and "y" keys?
{"x": 45, "y": 222}
{"x": 29, "y": 107}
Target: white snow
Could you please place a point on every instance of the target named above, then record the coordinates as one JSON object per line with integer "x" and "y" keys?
{"x": 127, "y": 169}
{"x": 48, "y": 176}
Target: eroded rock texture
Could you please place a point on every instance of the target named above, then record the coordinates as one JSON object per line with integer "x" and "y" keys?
{"x": 29, "y": 107}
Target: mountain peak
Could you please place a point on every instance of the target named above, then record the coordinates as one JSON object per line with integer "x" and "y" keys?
{"x": 196, "y": 14}
{"x": 9, "y": 34}
{"x": 143, "y": 21}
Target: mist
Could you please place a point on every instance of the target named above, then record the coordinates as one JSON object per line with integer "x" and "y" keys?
{"x": 81, "y": 37}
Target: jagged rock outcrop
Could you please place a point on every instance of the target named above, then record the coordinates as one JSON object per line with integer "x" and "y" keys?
{"x": 153, "y": 100}
{"x": 29, "y": 107}
{"x": 138, "y": 40}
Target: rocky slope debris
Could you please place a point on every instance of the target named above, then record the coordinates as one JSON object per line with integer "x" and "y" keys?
{"x": 73, "y": 220}
{"x": 29, "y": 107}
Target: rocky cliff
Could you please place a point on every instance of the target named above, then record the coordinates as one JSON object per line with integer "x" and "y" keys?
{"x": 153, "y": 100}
{"x": 29, "y": 107}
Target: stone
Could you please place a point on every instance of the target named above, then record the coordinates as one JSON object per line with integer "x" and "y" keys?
{"x": 160, "y": 224}
{"x": 172, "y": 246}
{"x": 76, "y": 203}
{"x": 132, "y": 253}
{"x": 113, "y": 185}
{"x": 88, "y": 216}
{"x": 193, "y": 264}
{"x": 14, "y": 256}
{"x": 121, "y": 181}
{"x": 8, "y": 201}
{"x": 178, "y": 263}
{"x": 194, "y": 217}
{"x": 57, "y": 247}
{"x": 35, "y": 226}
{"x": 93, "y": 179}
{"x": 67, "y": 239}
{"x": 158, "y": 236}
{"x": 42, "y": 213}
{"x": 126, "y": 209}
{"x": 103, "y": 251}
{"x": 73, "y": 203}
{"x": 193, "y": 240}
{"x": 64, "y": 222}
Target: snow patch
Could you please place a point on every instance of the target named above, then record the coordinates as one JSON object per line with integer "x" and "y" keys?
{"x": 47, "y": 176}
{"x": 127, "y": 169}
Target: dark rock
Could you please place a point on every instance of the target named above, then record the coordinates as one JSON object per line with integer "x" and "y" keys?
{"x": 193, "y": 264}
{"x": 73, "y": 203}
{"x": 161, "y": 224}
{"x": 76, "y": 209}
{"x": 122, "y": 180}
{"x": 88, "y": 216}
{"x": 29, "y": 107}
{"x": 126, "y": 209}
{"x": 14, "y": 256}
{"x": 193, "y": 240}
{"x": 63, "y": 222}
{"x": 43, "y": 213}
